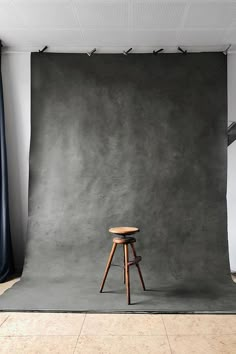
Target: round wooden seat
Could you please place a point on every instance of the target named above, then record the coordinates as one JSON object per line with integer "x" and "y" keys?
{"x": 124, "y": 241}
{"x": 124, "y": 230}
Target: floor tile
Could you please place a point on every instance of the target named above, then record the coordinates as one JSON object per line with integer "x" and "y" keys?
{"x": 200, "y": 324}
{"x": 7, "y": 285}
{"x": 42, "y": 324}
{"x": 123, "y": 324}
{"x": 38, "y": 344}
{"x": 122, "y": 344}
{"x": 223, "y": 344}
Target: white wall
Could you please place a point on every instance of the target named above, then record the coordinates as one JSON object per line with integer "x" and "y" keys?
{"x": 16, "y": 90}
{"x": 231, "y": 183}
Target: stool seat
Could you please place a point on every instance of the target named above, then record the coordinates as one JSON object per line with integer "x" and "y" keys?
{"x": 123, "y": 230}
{"x": 124, "y": 241}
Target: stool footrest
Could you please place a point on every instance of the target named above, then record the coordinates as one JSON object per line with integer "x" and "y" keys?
{"x": 124, "y": 242}
{"x": 136, "y": 260}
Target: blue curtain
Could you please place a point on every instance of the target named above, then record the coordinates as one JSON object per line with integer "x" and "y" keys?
{"x": 6, "y": 259}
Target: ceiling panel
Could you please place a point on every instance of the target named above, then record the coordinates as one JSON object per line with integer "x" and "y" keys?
{"x": 210, "y": 15}
{"x": 111, "y": 38}
{"x": 103, "y": 14}
{"x": 9, "y": 17}
{"x": 48, "y": 15}
{"x": 155, "y": 15}
{"x": 201, "y": 37}
{"x": 118, "y": 23}
{"x": 29, "y": 2}
{"x": 153, "y": 38}
{"x": 40, "y": 38}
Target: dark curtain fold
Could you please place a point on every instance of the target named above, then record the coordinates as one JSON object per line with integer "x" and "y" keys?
{"x": 6, "y": 259}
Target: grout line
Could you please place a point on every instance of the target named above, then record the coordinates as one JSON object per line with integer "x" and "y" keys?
{"x": 166, "y": 333}
{"x": 121, "y": 335}
{"x": 37, "y": 335}
{"x": 90, "y": 335}
{"x": 202, "y": 335}
{"x": 80, "y": 332}
{"x": 5, "y": 320}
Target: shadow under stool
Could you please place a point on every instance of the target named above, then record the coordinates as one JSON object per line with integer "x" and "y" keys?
{"x": 124, "y": 238}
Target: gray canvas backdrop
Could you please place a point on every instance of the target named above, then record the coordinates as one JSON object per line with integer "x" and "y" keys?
{"x": 127, "y": 141}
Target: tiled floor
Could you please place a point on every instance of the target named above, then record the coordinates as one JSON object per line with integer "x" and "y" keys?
{"x": 25, "y": 333}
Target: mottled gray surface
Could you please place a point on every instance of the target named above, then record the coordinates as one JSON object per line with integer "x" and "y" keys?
{"x": 138, "y": 140}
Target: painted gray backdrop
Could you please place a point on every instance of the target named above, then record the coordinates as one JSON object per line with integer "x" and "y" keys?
{"x": 134, "y": 141}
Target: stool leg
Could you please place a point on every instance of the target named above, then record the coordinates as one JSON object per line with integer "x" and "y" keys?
{"x": 108, "y": 265}
{"x": 124, "y": 262}
{"x": 138, "y": 267}
{"x": 127, "y": 273}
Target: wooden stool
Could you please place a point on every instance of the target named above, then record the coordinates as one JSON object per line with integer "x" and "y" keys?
{"x": 123, "y": 232}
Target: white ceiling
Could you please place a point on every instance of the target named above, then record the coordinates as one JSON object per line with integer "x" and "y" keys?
{"x": 114, "y": 25}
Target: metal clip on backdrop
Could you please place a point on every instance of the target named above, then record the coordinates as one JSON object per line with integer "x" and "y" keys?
{"x": 182, "y": 50}
{"x": 225, "y": 52}
{"x": 155, "y": 52}
{"x": 126, "y": 52}
{"x": 44, "y": 49}
{"x": 92, "y": 52}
